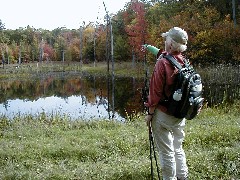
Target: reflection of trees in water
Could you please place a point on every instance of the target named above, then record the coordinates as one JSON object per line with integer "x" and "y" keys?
{"x": 84, "y": 100}
{"x": 100, "y": 100}
{"x": 33, "y": 89}
{"x": 90, "y": 89}
{"x": 220, "y": 85}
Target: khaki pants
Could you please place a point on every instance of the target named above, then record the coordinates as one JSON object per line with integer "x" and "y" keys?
{"x": 168, "y": 133}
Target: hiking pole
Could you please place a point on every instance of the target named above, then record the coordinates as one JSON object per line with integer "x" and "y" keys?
{"x": 152, "y": 148}
{"x": 150, "y": 141}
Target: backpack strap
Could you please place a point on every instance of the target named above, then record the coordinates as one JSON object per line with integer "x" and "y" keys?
{"x": 173, "y": 61}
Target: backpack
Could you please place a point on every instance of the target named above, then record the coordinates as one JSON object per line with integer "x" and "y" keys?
{"x": 186, "y": 100}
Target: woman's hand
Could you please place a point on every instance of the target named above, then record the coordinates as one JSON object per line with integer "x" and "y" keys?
{"x": 144, "y": 48}
{"x": 148, "y": 119}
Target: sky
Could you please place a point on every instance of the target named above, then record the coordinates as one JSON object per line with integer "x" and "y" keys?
{"x": 51, "y": 14}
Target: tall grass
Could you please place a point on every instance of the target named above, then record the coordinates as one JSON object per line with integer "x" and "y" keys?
{"x": 47, "y": 147}
{"x": 213, "y": 144}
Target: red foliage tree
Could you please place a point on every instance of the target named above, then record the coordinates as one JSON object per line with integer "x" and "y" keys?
{"x": 48, "y": 52}
{"x": 136, "y": 28}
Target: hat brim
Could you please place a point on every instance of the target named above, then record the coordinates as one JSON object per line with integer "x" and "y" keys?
{"x": 165, "y": 34}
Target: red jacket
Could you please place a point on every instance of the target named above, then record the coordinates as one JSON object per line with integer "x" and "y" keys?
{"x": 162, "y": 81}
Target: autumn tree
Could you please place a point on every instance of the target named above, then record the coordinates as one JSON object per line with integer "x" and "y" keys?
{"x": 101, "y": 36}
{"x": 212, "y": 34}
{"x": 122, "y": 50}
{"x": 136, "y": 26}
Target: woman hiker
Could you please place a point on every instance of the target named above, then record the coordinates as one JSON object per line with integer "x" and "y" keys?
{"x": 168, "y": 131}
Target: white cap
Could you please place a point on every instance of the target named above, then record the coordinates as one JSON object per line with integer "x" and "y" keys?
{"x": 177, "y": 34}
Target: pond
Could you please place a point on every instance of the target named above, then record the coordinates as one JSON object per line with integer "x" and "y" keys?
{"x": 77, "y": 96}
{"x": 80, "y": 96}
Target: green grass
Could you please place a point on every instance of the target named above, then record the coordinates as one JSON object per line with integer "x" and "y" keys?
{"x": 213, "y": 145}
{"x": 47, "y": 147}
{"x": 34, "y": 69}
{"x": 53, "y": 147}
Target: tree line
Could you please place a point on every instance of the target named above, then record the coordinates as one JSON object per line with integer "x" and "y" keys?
{"x": 212, "y": 26}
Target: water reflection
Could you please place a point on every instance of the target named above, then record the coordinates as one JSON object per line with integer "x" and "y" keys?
{"x": 79, "y": 97}
{"x": 74, "y": 107}
{"x": 87, "y": 97}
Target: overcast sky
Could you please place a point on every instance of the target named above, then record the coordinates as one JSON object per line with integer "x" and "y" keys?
{"x": 51, "y": 14}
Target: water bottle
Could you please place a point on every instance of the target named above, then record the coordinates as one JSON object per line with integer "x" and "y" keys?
{"x": 177, "y": 96}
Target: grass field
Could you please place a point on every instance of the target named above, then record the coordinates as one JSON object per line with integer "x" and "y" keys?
{"x": 53, "y": 147}
{"x": 47, "y": 147}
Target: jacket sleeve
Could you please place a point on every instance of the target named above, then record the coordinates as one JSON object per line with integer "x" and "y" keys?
{"x": 157, "y": 83}
{"x": 152, "y": 49}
